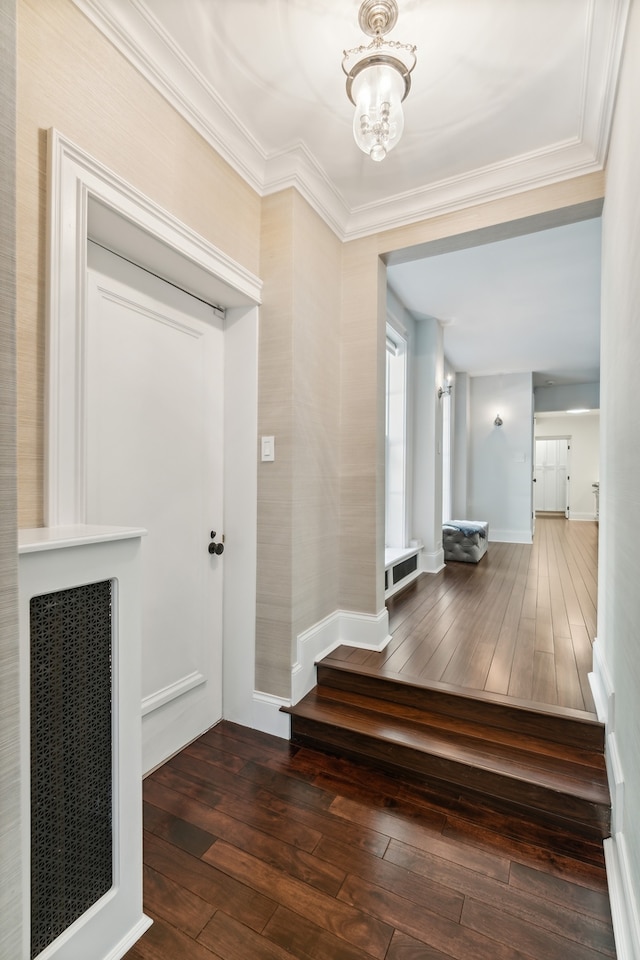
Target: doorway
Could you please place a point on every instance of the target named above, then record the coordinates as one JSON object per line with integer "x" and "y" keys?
{"x": 89, "y": 202}
{"x": 552, "y": 489}
{"x": 154, "y": 459}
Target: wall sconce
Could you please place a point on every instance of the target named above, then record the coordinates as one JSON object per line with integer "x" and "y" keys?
{"x": 446, "y": 389}
{"x": 498, "y": 420}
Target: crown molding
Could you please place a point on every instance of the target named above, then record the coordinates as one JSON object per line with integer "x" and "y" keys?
{"x": 136, "y": 33}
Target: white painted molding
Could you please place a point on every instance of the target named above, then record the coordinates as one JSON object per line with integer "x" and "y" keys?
{"x": 624, "y": 902}
{"x": 138, "y": 35}
{"x": 80, "y": 188}
{"x": 86, "y": 199}
{"x": 370, "y": 632}
{"x": 171, "y": 692}
{"x": 266, "y": 715}
{"x": 602, "y": 687}
{"x": 510, "y": 536}
{"x": 616, "y": 783}
{"x": 431, "y": 562}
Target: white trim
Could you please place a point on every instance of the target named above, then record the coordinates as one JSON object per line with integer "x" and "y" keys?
{"x": 266, "y": 715}
{"x": 624, "y": 905}
{"x": 137, "y": 34}
{"x": 75, "y": 180}
{"x": 171, "y": 692}
{"x": 511, "y": 536}
{"x": 86, "y": 199}
{"x": 369, "y": 632}
{"x": 431, "y": 562}
{"x": 602, "y": 687}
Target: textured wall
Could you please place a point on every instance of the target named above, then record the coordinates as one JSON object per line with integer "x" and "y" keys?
{"x": 10, "y": 836}
{"x": 70, "y": 77}
{"x": 299, "y": 397}
{"x": 500, "y": 467}
{"x": 618, "y": 594}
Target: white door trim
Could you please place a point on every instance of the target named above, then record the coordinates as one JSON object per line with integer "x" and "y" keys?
{"x": 87, "y": 200}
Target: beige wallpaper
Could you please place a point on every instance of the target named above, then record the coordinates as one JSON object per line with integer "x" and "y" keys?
{"x": 299, "y": 404}
{"x": 11, "y": 907}
{"x": 71, "y": 78}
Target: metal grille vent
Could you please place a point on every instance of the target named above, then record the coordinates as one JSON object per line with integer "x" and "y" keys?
{"x": 404, "y": 568}
{"x": 71, "y": 750}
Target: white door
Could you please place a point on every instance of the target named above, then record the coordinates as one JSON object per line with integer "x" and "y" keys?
{"x": 552, "y": 475}
{"x": 154, "y": 459}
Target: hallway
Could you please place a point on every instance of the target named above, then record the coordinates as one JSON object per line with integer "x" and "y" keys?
{"x": 517, "y": 626}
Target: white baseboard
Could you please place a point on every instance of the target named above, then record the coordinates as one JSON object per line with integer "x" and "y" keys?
{"x": 371, "y": 632}
{"x": 132, "y": 938}
{"x": 601, "y": 687}
{"x": 582, "y": 516}
{"x": 510, "y": 536}
{"x": 432, "y": 562}
{"x": 266, "y": 715}
{"x": 624, "y": 903}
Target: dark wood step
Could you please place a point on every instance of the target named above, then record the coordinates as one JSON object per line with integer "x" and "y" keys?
{"x": 532, "y": 776}
{"x": 557, "y": 724}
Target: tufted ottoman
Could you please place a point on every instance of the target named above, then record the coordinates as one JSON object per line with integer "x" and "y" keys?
{"x": 465, "y": 540}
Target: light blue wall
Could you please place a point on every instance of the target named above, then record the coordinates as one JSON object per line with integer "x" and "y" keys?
{"x": 500, "y": 468}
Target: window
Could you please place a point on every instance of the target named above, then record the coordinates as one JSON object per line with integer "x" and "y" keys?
{"x": 395, "y": 459}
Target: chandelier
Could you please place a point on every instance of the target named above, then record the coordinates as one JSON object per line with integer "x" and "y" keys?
{"x": 378, "y": 80}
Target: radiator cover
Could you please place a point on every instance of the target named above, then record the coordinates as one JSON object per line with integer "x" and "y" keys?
{"x": 71, "y": 756}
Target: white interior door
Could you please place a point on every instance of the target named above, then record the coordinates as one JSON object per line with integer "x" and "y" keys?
{"x": 154, "y": 433}
{"x": 552, "y": 475}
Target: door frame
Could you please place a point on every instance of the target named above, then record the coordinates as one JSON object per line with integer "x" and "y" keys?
{"x": 567, "y": 491}
{"x": 86, "y": 200}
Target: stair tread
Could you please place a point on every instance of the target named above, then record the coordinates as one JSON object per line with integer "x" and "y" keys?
{"x": 549, "y": 751}
{"x": 479, "y": 697}
{"x": 515, "y": 763}
{"x": 570, "y": 728}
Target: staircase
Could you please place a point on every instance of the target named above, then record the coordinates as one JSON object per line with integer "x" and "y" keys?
{"x": 542, "y": 771}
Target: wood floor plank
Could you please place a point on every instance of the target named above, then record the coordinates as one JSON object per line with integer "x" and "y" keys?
{"x": 272, "y": 850}
{"x": 232, "y": 940}
{"x": 533, "y": 940}
{"x": 208, "y": 883}
{"x": 175, "y": 904}
{"x": 306, "y": 939}
{"x": 551, "y": 915}
{"x": 162, "y": 941}
{"x": 436, "y": 931}
{"x": 345, "y": 921}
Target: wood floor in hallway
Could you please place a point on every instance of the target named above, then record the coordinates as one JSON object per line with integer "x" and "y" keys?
{"x": 258, "y": 850}
{"x": 519, "y": 624}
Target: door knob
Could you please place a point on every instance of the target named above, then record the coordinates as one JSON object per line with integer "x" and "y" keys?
{"x": 216, "y": 548}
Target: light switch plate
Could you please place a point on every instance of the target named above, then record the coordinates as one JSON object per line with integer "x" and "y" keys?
{"x": 268, "y": 449}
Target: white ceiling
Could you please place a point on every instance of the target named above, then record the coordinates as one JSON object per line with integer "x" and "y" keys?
{"x": 506, "y": 95}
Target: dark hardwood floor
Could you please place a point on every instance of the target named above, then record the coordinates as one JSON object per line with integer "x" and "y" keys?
{"x": 257, "y": 849}
{"x": 519, "y": 624}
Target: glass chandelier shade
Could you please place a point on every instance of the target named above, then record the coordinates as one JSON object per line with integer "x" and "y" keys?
{"x": 378, "y": 80}
{"x": 378, "y": 122}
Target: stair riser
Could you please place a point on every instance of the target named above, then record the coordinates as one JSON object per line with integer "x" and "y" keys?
{"x": 583, "y": 818}
{"x": 558, "y": 729}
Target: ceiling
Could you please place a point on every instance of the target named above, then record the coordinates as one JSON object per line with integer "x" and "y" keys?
{"x": 505, "y": 96}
